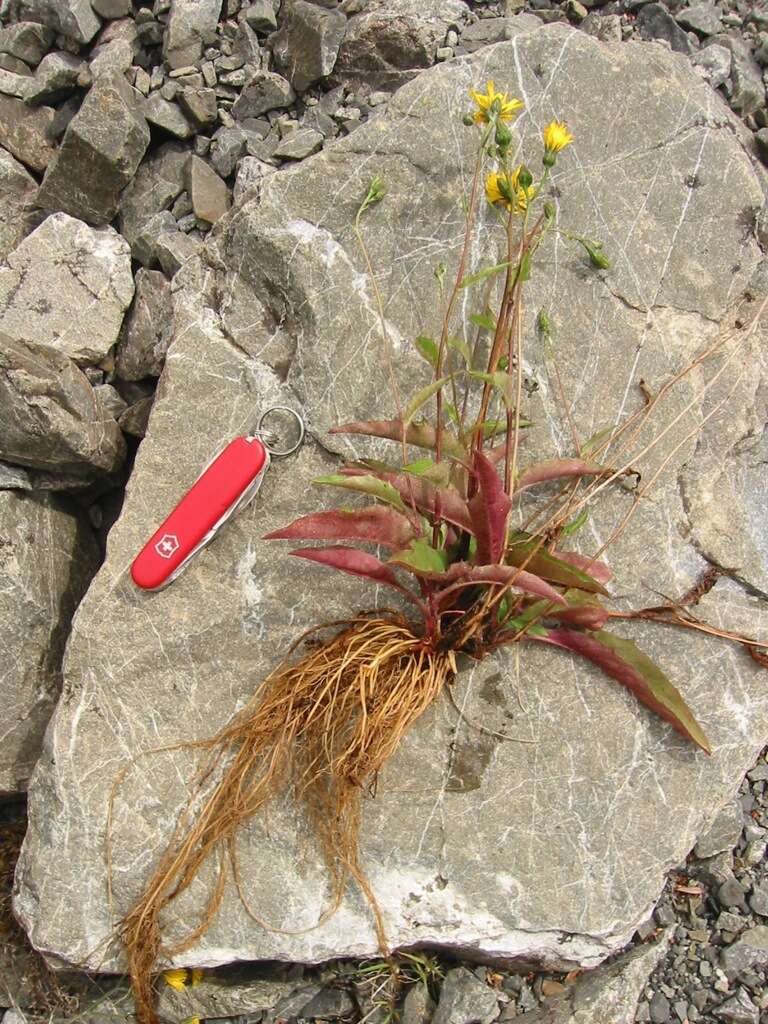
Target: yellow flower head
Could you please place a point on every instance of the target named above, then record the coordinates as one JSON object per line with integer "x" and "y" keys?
{"x": 180, "y": 977}
{"x": 556, "y": 136}
{"x": 494, "y": 104}
{"x": 506, "y": 189}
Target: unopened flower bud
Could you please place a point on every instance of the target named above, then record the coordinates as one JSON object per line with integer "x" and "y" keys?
{"x": 549, "y": 210}
{"x": 503, "y": 136}
{"x": 549, "y": 159}
{"x": 468, "y": 120}
{"x": 524, "y": 177}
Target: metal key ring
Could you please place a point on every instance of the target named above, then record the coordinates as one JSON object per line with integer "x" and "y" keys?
{"x": 270, "y": 436}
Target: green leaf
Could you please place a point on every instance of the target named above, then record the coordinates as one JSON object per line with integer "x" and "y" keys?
{"x": 483, "y": 275}
{"x": 499, "y": 380}
{"x": 427, "y": 348}
{"x": 423, "y": 396}
{"x": 453, "y": 413}
{"x": 595, "y": 440}
{"x": 419, "y": 466}
{"x": 364, "y": 485}
{"x": 522, "y": 550}
{"x": 460, "y": 346}
{"x": 576, "y": 523}
{"x": 625, "y": 662}
{"x": 524, "y": 271}
{"x": 420, "y": 557}
{"x": 483, "y": 320}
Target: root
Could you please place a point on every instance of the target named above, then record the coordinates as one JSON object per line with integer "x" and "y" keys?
{"x": 323, "y": 726}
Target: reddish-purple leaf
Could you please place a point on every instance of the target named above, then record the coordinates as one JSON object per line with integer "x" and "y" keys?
{"x": 423, "y": 494}
{"x": 523, "y": 549}
{"x": 597, "y": 570}
{"x": 489, "y": 509}
{"x": 355, "y": 562}
{"x": 422, "y": 435}
{"x": 461, "y": 572}
{"x": 556, "y": 469}
{"x": 625, "y": 662}
{"x": 376, "y": 524}
{"x": 583, "y": 610}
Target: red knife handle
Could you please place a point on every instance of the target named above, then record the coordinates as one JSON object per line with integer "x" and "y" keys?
{"x": 227, "y": 483}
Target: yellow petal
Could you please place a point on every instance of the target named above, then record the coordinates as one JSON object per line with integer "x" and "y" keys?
{"x": 177, "y": 978}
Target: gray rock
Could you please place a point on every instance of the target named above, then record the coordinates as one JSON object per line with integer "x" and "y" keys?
{"x": 702, "y": 18}
{"x": 605, "y": 27}
{"x": 241, "y": 990}
{"x": 724, "y": 832}
{"x": 282, "y": 280}
{"x": 145, "y": 241}
{"x": 418, "y": 1007}
{"x": 173, "y": 249}
{"x": 521, "y": 23}
{"x": 264, "y": 91}
{"x": 49, "y": 416}
{"x": 739, "y": 1009}
{"x": 158, "y": 182}
{"x": 18, "y": 214}
{"x": 298, "y": 145}
{"x": 750, "y": 950}
{"x": 74, "y": 18}
{"x": 147, "y": 328}
{"x": 208, "y": 193}
{"x": 655, "y": 22}
{"x": 101, "y": 150}
{"x": 227, "y": 146}
{"x": 261, "y": 16}
{"x": 27, "y": 132}
{"x": 659, "y": 1008}
{"x": 57, "y": 76}
{"x": 747, "y": 91}
{"x": 167, "y": 116}
{"x": 307, "y": 45}
{"x": 47, "y": 558}
{"x": 66, "y": 287}
{"x": 713, "y": 62}
{"x": 464, "y": 999}
{"x": 484, "y": 32}
{"x": 758, "y": 901}
{"x": 250, "y": 172}
{"x": 111, "y": 9}
{"x": 329, "y": 1004}
{"x": 14, "y": 84}
{"x": 113, "y": 58}
{"x": 110, "y": 400}
{"x": 389, "y": 40}
{"x": 199, "y": 105}
{"x": 731, "y": 894}
{"x": 26, "y": 40}
{"x": 14, "y": 478}
{"x": 730, "y": 922}
{"x": 135, "y": 419}
{"x": 191, "y": 26}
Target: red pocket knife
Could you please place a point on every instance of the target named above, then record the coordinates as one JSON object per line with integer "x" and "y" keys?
{"x": 228, "y": 483}
{"x": 225, "y": 486}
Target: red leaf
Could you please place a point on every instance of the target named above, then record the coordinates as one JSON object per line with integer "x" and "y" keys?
{"x": 489, "y": 509}
{"x": 597, "y": 570}
{"x": 425, "y": 495}
{"x": 355, "y": 562}
{"x": 501, "y": 574}
{"x": 556, "y": 469}
{"x": 376, "y": 524}
{"x": 422, "y": 435}
{"x": 584, "y": 610}
{"x": 625, "y": 662}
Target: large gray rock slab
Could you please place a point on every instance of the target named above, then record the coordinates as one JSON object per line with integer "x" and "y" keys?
{"x": 73, "y": 18}
{"x": 551, "y": 845}
{"x": 67, "y": 287}
{"x": 49, "y": 417}
{"x": 307, "y": 44}
{"x": 47, "y": 558}
{"x": 99, "y": 155}
{"x": 27, "y": 132}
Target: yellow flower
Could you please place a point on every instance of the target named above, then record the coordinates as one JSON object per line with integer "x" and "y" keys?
{"x": 180, "y": 977}
{"x": 506, "y": 189}
{"x": 493, "y": 103}
{"x": 556, "y": 136}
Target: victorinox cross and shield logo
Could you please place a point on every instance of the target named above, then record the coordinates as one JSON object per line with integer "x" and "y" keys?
{"x": 168, "y": 545}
